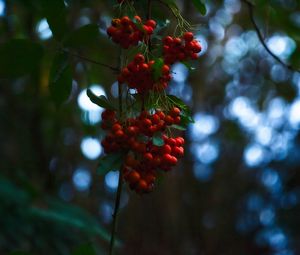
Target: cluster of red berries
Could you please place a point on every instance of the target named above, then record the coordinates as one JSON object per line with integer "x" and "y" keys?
{"x": 139, "y": 75}
{"x": 127, "y": 32}
{"x": 143, "y": 139}
{"x": 136, "y": 138}
{"x": 180, "y": 49}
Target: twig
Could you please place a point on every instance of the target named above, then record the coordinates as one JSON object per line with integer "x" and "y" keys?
{"x": 89, "y": 60}
{"x": 120, "y": 181}
{"x": 115, "y": 214}
{"x": 261, "y": 38}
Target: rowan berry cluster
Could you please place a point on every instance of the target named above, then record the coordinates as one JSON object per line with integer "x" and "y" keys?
{"x": 143, "y": 139}
{"x": 180, "y": 49}
{"x": 139, "y": 75}
{"x": 127, "y": 32}
{"x": 135, "y": 137}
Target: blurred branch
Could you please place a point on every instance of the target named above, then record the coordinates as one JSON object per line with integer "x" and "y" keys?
{"x": 76, "y": 55}
{"x": 120, "y": 181}
{"x": 168, "y": 6}
{"x": 261, "y": 38}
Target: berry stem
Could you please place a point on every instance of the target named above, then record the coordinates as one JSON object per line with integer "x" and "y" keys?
{"x": 120, "y": 181}
{"x": 89, "y": 60}
{"x": 115, "y": 214}
{"x": 149, "y": 11}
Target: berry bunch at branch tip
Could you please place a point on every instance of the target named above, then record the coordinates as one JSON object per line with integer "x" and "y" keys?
{"x": 135, "y": 137}
{"x": 139, "y": 75}
{"x": 142, "y": 133}
{"x": 180, "y": 49}
{"x": 127, "y": 32}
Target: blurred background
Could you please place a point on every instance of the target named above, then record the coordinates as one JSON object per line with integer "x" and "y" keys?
{"x": 237, "y": 191}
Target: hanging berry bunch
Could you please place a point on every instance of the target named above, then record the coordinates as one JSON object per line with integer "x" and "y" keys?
{"x": 127, "y": 32}
{"x": 142, "y": 137}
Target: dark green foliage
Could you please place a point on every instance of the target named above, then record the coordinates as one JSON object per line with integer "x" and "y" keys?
{"x": 101, "y": 101}
{"x": 55, "y": 12}
{"x": 200, "y": 6}
{"x": 20, "y": 218}
{"x": 157, "y": 68}
{"x": 60, "y": 81}
{"x": 19, "y": 57}
{"x": 83, "y": 36}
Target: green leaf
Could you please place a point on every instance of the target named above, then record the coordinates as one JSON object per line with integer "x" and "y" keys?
{"x": 178, "y": 127}
{"x": 83, "y": 36}
{"x": 11, "y": 194}
{"x": 69, "y": 215}
{"x": 110, "y": 162}
{"x": 157, "y": 139}
{"x": 157, "y": 68}
{"x": 177, "y": 102}
{"x": 189, "y": 66}
{"x": 200, "y": 6}
{"x": 186, "y": 119}
{"x": 101, "y": 101}
{"x": 60, "y": 80}
{"x": 55, "y": 12}
{"x": 19, "y": 57}
{"x": 84, "y": 249}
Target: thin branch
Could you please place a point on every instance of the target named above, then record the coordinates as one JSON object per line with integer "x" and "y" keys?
{"x": 115, "y": 214}
{"x": 120, "y": 181}
{"x": 89, "y": 60}
{"x": 261, "y": 38}
{"x": 149, "y": 10}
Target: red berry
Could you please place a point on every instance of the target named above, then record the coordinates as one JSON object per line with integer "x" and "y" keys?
{"x": 165, "y": 69}
{"x": 148, "y": 29}
{"x": 168, "y": 40}
{"x": 178, "y": 151}
{"x": 119, "y": 133}
{"x": 151, "y": 23}
{"x": 161, "y": 114}
{"x": 155, "y": 118}
{"x": 133, "y": 177}
{"x": 169, "y": 120}
{"x": 172, "y": 142}
{"x": 138, "y": 18}
{"x": 139, "y": 58}
{"x": 166, "y": 149}
{"x": 169, "y": 159}
{"x": 188, "y": 36}
{"x": 179, "y": 141}
{"x": 177, "y": 120}
{"x": 116, "y": 127}
{"x": 125, "y": 21}
{"x": 177, "y": 41}
{"x": 142, "y": 186}
{"x": 150, "y": 178}
{"x": 175, "y": 111}
{"x": 148, "y": 156}
{"x": 147, "y": 122}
